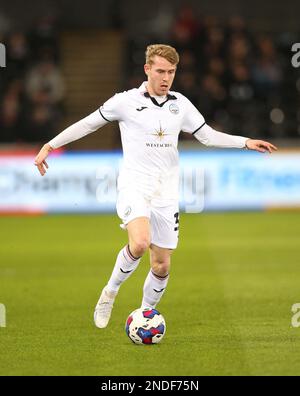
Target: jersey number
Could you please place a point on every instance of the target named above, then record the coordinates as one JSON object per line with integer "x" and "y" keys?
{"x": 176, "y": 215}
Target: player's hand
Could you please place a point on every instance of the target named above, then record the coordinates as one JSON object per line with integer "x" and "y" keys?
{"x": 260, "y": 145}
{"x": 40, "y": 160}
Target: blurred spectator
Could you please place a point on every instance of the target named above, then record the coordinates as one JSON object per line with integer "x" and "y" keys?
{"x": 188, "y": 61}
{"x": 44, "y": 39}
{"x": 212, "y": 96}
{"x": 10, "y": 122}
{"x": 216, "y": 66}
{"x": 39, "y": 124}
{"x": 5, "y": 23}
{"x": 214, "y": 43}
{"x": 240, "y": 87}
{"x": 185, "y": 29}
{"x": 238, "y": 49}
{"x": 266, "y": 71}
{"x": 187, "y": 20}
{"x": 17, "y": 55}
{"x": 45, "y": 82}
{"x": 237, "y": 27}
{"x": 161, "y": 25}
{"x": 241, "y": 103}
{"x": 187, "y": 84}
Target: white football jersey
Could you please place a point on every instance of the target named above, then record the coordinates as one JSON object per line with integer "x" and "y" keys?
{"x": 149, "y": 134}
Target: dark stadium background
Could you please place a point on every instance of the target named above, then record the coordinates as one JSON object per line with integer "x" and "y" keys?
{"x": 235, "y": 275}
{"x": 235, "y": 63}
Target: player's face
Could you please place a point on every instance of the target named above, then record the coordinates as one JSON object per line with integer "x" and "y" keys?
{"x": 160, "y": 74}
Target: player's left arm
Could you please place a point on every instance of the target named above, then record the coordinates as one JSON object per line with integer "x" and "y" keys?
{"x": 195, "y": 124}
{"x": 212, "y": 138}
{"x": 260, "y": 145}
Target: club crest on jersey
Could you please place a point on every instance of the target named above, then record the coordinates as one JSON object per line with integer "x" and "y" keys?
{"x": 174, "y": 109}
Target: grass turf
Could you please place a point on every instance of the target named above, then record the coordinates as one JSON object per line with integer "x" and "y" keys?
{"x": 228, "y": 304}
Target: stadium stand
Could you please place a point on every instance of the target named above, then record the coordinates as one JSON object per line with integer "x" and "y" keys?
{"x": 238, "y": 75}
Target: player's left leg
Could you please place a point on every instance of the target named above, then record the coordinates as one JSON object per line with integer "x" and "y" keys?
{"x": 164, "y": 238}
{"x": 158, "y": 276}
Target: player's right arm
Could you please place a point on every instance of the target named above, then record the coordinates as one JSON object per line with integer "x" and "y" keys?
{"x": 40, "y": 159}
{"x": 106, "y": 113}
{"x": 74, "y": 132}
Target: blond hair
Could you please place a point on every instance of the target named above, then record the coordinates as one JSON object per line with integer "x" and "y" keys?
{"x": 165, "y": 51}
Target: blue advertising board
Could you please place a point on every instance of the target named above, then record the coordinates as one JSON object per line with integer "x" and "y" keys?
{"x": 209, "y": 180}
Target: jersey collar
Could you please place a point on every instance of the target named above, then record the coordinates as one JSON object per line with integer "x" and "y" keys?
{"x": 143, "y": 90}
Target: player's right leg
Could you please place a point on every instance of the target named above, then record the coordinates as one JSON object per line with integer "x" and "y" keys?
{"x": 129, "y": 257}
{"x": 139, "y": 235}
{"x": 127, "y": 261}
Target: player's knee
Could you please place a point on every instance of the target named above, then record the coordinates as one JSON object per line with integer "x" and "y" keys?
{"x": 161, "y": 267}
{"x": 140, "y": 247}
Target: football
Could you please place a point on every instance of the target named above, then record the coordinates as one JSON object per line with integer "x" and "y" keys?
{"x": 145, "y": 326}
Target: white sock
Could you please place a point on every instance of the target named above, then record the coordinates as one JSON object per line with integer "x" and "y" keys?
{"x": 154, "y": 288}
{"x": 125, "y": 265}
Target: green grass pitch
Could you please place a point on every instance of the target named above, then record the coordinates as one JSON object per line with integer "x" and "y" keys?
{"x": 234, "y": 279}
